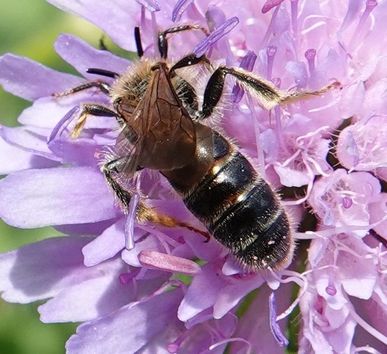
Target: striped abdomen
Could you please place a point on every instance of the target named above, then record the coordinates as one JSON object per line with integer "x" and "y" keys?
{"x": 240, "y": 209}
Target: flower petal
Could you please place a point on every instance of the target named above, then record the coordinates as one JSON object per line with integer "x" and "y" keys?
{"x": 55, "y": 196}
{"x": 28, "y": 140}
{"x": 46, "y": 112}
{"x": 75, "y": 152}
{"x": 105, "y": 246}
{"x": 202, "y": 293}
{"x": 115, "y": 17}
{"x": 232, "y": 293}
{"x": 91, "y": 298}
{"x": 87, "y": 57}
{"x": 42, "y": 269}
{"x": 21, "y": 159}
{"x": 30, "y": 80}
{"x": 129, "y": 329}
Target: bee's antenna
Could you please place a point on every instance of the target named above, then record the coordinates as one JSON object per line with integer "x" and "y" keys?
{"x": 137, "y": 38}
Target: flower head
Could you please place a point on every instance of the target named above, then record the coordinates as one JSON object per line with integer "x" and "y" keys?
{"x": 140, "y": 287}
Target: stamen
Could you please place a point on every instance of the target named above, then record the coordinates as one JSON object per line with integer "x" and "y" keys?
{"x": 215, "y": 17}
{"x": 231, "y": 340}
{"x": 150, "y": 5}
{"x": 167, "y": 262}
{"x": 360, "y": 29}
{"x": 275, "y": 328}
{"x": 247, "y": 63}
{"x": 302, "y": 282}
{"x": 179, "y": 8}
{"x": 126, "y": 278}
{"x": 366, "y": 349}
{"x": 352, "y": 11}
{"x": 270, "y": 52}
{"x": 130, "y": 220}
{"x": 278, "y": 129}
{"x": 310, "y": 56}
{"x": 347, "y": 202}
{"x": 215, "y": 36}
{"x": 269, "y": 4}
{"x": 294, "y": 15}
{"x": 175, "y": 346}
{"x": 366, "y": 326}
{"x": 331, "y": 290}
{"x": 154, "y": 30}
{"x": 370, "y": 5}
{"x": 269, "y": 30}
{"x": 63, "y": 123}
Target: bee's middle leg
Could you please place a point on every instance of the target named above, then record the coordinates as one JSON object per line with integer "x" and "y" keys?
{"x": 94, "y": 110}
{"x": 111, "y": 170}
{"x": 104, "y": 87}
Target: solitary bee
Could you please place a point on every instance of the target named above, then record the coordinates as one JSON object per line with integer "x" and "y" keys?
{"x": 163, "y": 129}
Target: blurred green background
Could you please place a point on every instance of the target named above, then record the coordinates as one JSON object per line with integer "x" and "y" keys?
{"x": 29, "y": 28}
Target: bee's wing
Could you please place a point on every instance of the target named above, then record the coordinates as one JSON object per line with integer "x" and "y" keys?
{"x": 128, "y": 151}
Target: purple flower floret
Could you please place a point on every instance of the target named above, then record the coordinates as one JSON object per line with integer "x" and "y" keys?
{"x": 143, "y": 288}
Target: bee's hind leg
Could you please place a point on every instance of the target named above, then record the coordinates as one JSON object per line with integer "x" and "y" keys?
{"x": 144, "y": 213}
{"x": 151, "y": 215}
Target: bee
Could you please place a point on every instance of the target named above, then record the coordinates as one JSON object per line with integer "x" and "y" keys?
{"x": 163, "y": 128}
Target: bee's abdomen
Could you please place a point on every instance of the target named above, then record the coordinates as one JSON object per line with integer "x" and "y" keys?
{"x": 256, "y": 229}
{"x": 242, "y": 212}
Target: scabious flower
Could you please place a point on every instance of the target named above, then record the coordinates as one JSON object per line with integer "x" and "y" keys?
{"x": 141, "y": 288}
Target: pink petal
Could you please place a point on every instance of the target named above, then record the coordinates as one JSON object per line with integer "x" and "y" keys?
{"x": 232, "y": 293}
{"x": 208, "y": 282}
{"x": 105, "y": 246}
{"x": 41, "y": 270}
{"x": 46, "y": 112}
{"x": 31, "y": 80}
{"x": 55, "y": 196}
{"x": 77, "y": 152}
{"x": 92, "y": 298}
{"x": 129, "y": 329}
{"x": 150, "y": 242}
{"x": 254, "y": 324}
{"x": 269, "y": 4}
{"x": 290, "y": 177}
{"x": 378, "y": 212}
{"x": 117, "y": 17}
{"x": 21, "y": 159}
{"x": 87, "y": 56}
{"x": 28, "y": 140}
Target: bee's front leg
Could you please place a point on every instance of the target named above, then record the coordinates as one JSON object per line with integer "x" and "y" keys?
{"x": 104, "y": 87}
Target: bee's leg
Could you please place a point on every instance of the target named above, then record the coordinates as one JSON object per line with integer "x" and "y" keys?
{"x": 104, "y": 87}
{"x": 267, "y": 94}
{"x": 94, "y": 110}
{"x": 188, "y": 60}
{"x": 151, "y": 215}
{"x": 162, "y": 37}
{"x": 103, "y": 72}
{"x": 137, "y": 39}
{"x": 111, "y": 171}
